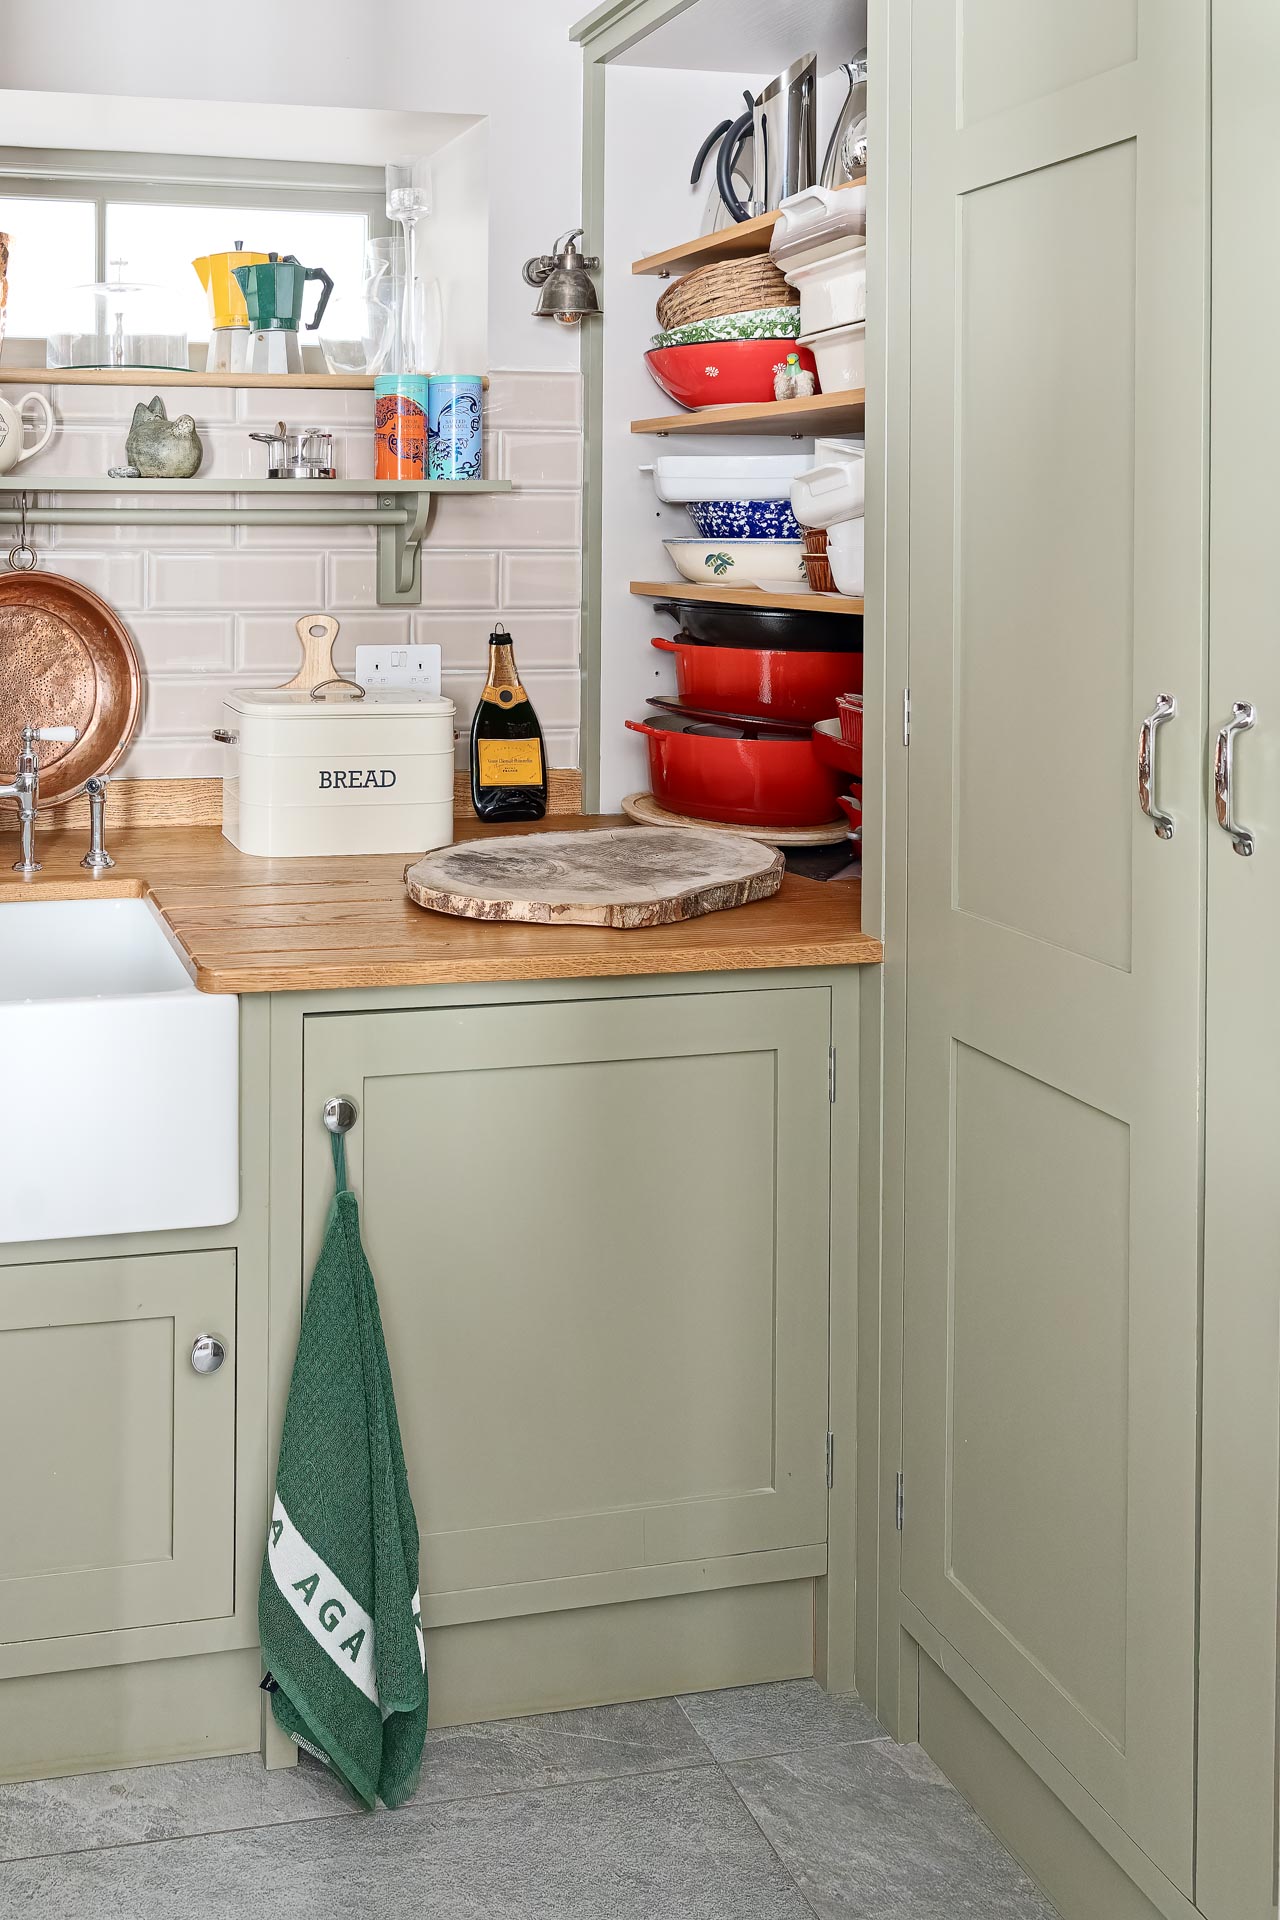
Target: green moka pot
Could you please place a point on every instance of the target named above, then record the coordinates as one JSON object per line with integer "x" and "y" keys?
{"x": 273, "y": 291}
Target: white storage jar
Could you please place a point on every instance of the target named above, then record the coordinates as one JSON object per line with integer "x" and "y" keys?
{"x": 840, "y": 354}
{"x": 304, "y": 776}
{"x": 833, "y": 290}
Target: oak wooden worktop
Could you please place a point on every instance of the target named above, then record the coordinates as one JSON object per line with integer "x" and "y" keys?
{"x": 253, "y": 925}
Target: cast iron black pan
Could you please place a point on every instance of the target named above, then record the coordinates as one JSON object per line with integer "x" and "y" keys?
{"x": 776, "y": 627}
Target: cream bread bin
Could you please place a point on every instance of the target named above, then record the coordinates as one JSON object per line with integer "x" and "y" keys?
{"x": 336, "y": 774}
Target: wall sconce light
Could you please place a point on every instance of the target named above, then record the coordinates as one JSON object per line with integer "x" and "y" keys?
{"x": 566, "y": 293}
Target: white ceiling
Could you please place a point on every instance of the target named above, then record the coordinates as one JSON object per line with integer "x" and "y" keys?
{"x": 754, "y": 36}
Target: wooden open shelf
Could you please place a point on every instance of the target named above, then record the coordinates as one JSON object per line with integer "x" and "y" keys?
{"x": 747, "y": 597}
{"x": 154, "y": 377}
{"x": 730, "y": 243}
{"x": 817, "y": 413}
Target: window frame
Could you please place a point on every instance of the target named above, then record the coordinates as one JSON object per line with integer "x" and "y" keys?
{"x": 182, "y": 179}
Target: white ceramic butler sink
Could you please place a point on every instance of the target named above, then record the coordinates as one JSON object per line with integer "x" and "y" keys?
{"x": 119, "y": 1082}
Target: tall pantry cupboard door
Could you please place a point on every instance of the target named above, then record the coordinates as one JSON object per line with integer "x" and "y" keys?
{"x": 1054, "y": 996}
{"x": 1236, "y": 1797}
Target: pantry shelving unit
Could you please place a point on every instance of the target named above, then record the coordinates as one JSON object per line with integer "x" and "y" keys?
{"x": 746, "y": 597}
{"x": 402, "y": 511}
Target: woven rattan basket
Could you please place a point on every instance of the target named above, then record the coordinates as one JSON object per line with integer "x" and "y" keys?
{"x": 816, "y": 564}
{"x": 728, "y": 286}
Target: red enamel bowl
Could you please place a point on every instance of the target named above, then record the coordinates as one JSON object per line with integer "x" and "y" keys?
{"x": 803, "y": 687}
{"x": 716, "y": 774}
{"x": 724, "y": 373}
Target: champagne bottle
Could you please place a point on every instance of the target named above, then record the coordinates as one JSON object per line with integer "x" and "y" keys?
{"x": 508, "y": 757}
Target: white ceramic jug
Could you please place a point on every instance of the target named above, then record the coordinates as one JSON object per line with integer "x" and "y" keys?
{"x": 12, "y": 426}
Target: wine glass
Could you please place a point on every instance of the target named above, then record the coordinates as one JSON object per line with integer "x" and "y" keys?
{"x": 409, "y": 201}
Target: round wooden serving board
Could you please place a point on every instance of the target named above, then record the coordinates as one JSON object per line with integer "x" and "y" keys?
{"x": 604, "y": 877}
{"x": 644, "y": 808}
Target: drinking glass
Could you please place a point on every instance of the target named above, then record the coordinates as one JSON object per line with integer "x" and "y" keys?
{"x": 409, "y": 202}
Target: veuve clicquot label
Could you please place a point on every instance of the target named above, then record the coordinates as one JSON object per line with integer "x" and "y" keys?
{"x": 510, "y": 763}
{"x": 508, "y": 757}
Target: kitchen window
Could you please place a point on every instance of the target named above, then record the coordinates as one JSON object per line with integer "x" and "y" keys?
{"x": 73, "y": 219}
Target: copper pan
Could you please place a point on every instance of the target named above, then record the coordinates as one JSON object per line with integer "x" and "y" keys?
{"x": 65, "y": 660}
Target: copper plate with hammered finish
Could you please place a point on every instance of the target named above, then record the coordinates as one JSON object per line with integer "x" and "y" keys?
{"x": 65, "y": 660}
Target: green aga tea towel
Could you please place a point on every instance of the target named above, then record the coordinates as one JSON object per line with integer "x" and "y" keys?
{"x": 338, "y": 1608}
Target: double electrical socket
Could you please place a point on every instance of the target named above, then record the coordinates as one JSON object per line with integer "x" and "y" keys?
{"x": 415, "y": 667}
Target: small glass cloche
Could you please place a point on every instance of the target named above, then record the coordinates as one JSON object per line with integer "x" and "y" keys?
{"x": 121, "y": 322}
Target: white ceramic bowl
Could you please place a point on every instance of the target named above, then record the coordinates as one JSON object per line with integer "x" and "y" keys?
{"x": 833, "y": 290}
{"x": 841, "y": 354}
{"x": 752, "y": 563}
{"x": 721, "y": 476}
{"x": 845, "y": 551}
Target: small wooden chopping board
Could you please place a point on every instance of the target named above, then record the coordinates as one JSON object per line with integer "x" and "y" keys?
{"x": 605, "y": 877}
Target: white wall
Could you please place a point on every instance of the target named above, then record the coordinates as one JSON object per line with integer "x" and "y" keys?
{"x": 509, "y": 60}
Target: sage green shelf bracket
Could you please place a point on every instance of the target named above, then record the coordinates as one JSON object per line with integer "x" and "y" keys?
{"x": 400, "y": 550}
{"x": 402, "y": 513}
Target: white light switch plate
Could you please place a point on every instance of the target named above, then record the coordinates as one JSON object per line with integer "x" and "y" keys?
{"x": 416, "y": 667}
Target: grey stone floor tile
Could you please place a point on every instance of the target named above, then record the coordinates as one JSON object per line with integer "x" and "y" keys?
{"x": 675, "y": 1846}
{"x": 552, "y": 1749}
{"x": 161, "y": 1803}
{"x": 743, "y": 1723}
{"x": 875, "y": 1832}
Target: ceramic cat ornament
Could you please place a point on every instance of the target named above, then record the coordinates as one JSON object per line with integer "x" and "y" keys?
{"x": 159, "y": 448}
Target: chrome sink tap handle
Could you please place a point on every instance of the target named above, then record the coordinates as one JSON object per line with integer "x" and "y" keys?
{"x": 97, "y": 858}
{"x": 25, "y": 789}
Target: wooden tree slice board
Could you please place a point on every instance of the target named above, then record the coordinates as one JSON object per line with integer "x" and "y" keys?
{"x": 603, "y": 877}
{"x": 644, "y": 808}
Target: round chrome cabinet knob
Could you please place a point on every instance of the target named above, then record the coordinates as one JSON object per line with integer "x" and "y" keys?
{"x": 208, "y": 1353}
{"x": 341, "y": 1113}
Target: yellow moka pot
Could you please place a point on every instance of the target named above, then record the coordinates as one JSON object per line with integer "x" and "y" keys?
{"x": 229, "y": 339}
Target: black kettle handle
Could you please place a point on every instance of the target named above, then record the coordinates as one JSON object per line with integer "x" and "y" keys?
{"x": 318, "y": 273}
{"x": 730, "y": 147}
{"x": 705, "y": 149}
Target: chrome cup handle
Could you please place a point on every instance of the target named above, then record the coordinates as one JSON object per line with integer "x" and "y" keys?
{"x": 1165, "y": 709}
{"x": 1243, "y": 716}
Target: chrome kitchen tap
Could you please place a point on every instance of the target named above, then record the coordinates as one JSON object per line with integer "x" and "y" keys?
{"x": 26, "y": 790}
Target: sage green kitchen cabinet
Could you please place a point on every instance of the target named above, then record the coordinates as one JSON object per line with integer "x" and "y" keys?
{"x": 117, "y": 1504}
{"x": 1055, "y": 942}
{"x": 600, "y": 1231}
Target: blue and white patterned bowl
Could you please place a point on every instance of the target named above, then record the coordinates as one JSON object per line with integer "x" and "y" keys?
{"x": 744, "y": 519}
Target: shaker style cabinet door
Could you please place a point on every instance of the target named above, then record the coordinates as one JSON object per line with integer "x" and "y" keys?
{"x": 1055, "y": 986}
{"x": 118, "y": 1497}
{"x": 599, "y": 1232}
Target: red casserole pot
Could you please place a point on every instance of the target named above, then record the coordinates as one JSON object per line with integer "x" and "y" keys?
{"x": 802, "y": 687}
{"x": 724, "y": 373}
{"x": 713, "y": 775}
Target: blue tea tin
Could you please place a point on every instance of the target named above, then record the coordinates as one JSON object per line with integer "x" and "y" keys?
{"x": 455, "y": 426}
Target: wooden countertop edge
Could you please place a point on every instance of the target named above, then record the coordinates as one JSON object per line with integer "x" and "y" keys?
{"x": 211, "y": 978}
{"x": 146, "y": 870}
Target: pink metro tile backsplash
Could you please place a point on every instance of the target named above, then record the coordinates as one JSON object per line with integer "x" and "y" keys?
{"x": 211, "y": 608}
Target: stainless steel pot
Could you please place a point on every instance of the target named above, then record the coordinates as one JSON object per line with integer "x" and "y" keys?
{"x": 784, "y": 135}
